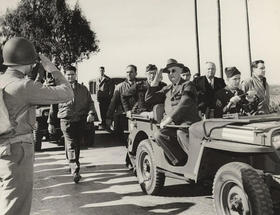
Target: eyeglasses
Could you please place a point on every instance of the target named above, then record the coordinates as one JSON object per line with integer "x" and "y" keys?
{"x": 171, "y": 71}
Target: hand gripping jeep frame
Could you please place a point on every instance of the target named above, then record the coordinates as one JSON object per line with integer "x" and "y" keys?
{"x": 241, "y": 156}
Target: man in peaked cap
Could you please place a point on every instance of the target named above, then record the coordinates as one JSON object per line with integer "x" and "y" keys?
{"x": 231, "y": 99}
{"x": 180, "y": 108}
{"x": 138, "y": 91}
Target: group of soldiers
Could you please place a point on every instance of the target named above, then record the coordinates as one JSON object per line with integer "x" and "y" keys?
{"x": 185, "y": 101}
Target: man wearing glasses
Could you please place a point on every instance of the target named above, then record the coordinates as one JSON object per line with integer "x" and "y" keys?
{"x": 180, "y": 108}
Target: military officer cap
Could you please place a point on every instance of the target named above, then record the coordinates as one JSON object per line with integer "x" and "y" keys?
{"x": 151, "y": 67}
{"x": 231, "y": 71}
{"x": 186, "y": 70}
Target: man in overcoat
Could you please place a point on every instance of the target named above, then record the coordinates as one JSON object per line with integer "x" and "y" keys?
{"x": 180, "y": 108}
{"x": 206, "y": 86}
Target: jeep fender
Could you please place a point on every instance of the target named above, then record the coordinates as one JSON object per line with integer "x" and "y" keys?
{"x": 237, "y": 147}
{"x": 134, "y": 139}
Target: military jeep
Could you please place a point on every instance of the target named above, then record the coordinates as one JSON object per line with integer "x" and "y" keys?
{"x": 41, "y": 128}
{"x": 240, "y": 156}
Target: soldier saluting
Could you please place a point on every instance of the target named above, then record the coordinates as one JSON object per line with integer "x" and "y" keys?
{"x": 20, "y": 95}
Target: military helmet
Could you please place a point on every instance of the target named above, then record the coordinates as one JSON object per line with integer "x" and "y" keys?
{"x": 19, "y": 51}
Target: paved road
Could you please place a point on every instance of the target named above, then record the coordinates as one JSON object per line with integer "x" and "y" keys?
{"x": 107, "y": 187}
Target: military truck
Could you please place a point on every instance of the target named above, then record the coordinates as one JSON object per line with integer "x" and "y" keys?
{"x": 239, "y": 155}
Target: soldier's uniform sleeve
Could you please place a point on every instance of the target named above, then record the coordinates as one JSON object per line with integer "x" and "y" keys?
{"x": 220, "y": 103}
{"x": 114, "y": 102}
{"x": 36, "y": 93}
{"x": 154, "y": 96}
{"x": 52, "y": 118}
{"x": 187, "y": 107}
{"x": 131, "y": 92}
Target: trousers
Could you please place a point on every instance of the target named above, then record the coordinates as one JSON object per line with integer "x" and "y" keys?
{"x": 16, "y": 179}
{"x": 74, "y": 133}
{"x": 103, "y": 107}
{"x": 171, "y": 140}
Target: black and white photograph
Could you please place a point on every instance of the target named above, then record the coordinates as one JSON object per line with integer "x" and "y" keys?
{"x": 153, "y": 107}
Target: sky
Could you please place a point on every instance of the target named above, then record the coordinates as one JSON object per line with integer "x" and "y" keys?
{"x": 152, "y": 31}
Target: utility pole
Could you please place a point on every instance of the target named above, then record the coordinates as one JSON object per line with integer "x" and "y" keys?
{"x": 196, "y": 36}
{"x": 248, "y": 35}
{"x": 220, "y": 38}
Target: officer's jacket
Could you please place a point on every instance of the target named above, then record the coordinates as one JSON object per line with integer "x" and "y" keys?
{"x": 138, "y": 91}
{"x": 206, "y": 93}
{"x": 116, "y": 104}
{"x": 180, "y": 101}
{"x": 262, "y": 89}
{"x": 23, "y": 94}
{"x": 76, "y": 109}
{"x": 222, "y": 98}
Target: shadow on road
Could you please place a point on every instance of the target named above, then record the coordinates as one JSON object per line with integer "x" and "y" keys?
{"x": 186, "y": 190}
{"x": 104, "y": 189}
{"x": 106, "y": 139}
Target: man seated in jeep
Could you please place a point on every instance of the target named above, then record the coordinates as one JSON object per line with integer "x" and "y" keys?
{"x": 180, "y": 108}
{"x": 231, "y": 99}
{"x": 138, "y": 91}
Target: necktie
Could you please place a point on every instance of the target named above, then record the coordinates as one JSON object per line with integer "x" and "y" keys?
{"x": 211, "y": 82}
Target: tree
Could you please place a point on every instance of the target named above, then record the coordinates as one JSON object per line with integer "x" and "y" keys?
{"x": 54, "y": 28}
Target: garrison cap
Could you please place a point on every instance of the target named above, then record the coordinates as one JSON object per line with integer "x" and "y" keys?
{"x": 231, "y": 71}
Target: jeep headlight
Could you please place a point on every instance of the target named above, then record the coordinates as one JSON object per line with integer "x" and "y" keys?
{"x": 276, "y": 141}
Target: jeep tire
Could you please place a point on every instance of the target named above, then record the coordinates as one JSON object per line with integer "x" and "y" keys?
{"x": 238, "y": 189}
{"x": 149, "y": 178}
